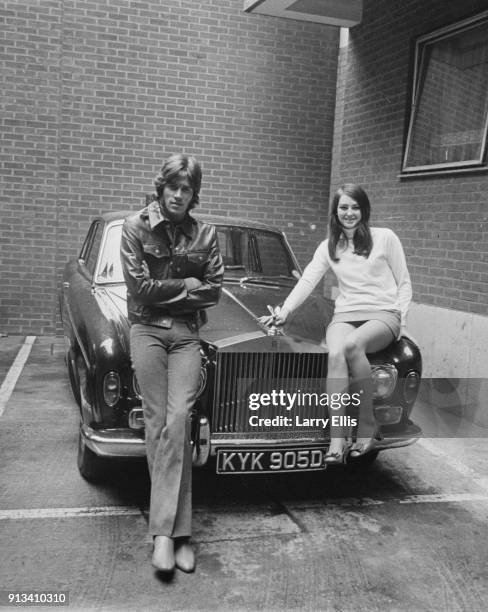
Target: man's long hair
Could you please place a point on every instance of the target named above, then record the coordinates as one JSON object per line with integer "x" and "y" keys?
{"x": 176, "y": 166}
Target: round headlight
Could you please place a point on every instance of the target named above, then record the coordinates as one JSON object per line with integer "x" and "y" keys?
{"x": 384, "y": 380}
{"x": 111, "y": 388}
{"x": 411, "y": 386}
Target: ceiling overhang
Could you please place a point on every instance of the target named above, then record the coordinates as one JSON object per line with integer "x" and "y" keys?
{"x": 343, "y": 13}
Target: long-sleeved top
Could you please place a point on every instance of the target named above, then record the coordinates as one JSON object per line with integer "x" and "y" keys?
{"x": 158, "y": 258}
{"x": 379, "y": 282}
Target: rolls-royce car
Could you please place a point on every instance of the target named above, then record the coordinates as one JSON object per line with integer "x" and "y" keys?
{"x": 262, "y": 404}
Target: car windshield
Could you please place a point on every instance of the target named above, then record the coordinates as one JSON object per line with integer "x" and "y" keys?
{"x": 248, "y": 254}
{"x": 253, "y": 254}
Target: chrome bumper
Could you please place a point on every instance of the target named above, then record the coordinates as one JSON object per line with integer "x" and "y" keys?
{"x": 409, "y": 436}
{"x": 113, "y": 442}
{"x": 128, "y": 443}
{"x": 406, "y": 437}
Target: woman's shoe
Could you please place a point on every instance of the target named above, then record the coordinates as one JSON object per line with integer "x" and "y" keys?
{"x": 338, "y": 457}
{"x": 361, "y": 447}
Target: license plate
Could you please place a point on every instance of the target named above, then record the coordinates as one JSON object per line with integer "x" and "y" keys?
{"x": 246, "y": 461}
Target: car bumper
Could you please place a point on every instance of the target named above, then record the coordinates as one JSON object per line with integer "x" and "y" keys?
{"x": 407, "y": 435}
{"x": 114, "y": 442}
{"x": 127, "y": 443}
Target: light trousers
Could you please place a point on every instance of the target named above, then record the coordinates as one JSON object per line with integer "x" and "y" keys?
{"x": 167, "y": 366}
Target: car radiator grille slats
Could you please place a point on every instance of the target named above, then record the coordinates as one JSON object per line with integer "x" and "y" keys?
{"x": 240, "y": 374}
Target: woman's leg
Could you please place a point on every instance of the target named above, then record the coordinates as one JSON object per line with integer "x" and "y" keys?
{"x": 337, "y": 378}
{"x": 370, "y": 337}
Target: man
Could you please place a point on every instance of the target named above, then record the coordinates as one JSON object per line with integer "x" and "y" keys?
{"x": 173, "y": 270}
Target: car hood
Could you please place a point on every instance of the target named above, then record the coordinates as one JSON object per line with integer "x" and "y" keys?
{"x": 234, "y": 320}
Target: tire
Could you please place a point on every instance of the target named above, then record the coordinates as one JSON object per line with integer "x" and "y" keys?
{"x": 91, "y": 467}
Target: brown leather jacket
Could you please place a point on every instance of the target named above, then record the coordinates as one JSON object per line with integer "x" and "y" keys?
{"x": 157, "y": 257}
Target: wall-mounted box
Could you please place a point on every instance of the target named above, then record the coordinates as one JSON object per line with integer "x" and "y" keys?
{"x": 342, "y": 13}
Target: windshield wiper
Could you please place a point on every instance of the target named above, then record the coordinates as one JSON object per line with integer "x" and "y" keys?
{"x": 264, "y": 279}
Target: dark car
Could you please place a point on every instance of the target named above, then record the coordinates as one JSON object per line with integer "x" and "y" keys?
{"x": 245, "y": 418}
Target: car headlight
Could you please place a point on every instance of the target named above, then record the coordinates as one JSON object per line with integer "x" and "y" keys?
{"x": 411, "y": 384}
{"x": 384, "y": 380}
{"x": 111, "y": 388}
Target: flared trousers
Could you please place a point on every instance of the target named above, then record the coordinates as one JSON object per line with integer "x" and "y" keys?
{"x": 167, "y": 366}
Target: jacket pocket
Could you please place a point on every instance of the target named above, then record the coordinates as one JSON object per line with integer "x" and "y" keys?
{"x": 155, "y": 250}
{"x": 157, "y": 258}
{"x": 196, "y": 262}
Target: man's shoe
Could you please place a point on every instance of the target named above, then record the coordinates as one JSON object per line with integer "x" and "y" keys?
{"x": 184, "y": 556}
{"x": 163, "y": 558}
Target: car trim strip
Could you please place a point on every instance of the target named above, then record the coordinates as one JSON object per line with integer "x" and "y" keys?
{"x": 77, "y": 335}
{"x": 239, "y": 338}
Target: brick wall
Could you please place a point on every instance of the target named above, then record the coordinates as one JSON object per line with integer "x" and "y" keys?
{"x": 96, "y": 93}
{"x": 443, "y": 220}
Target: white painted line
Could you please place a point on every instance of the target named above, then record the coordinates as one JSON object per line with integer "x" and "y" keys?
{"x": 14, "y": 372}
{"x": 85, "y": 512}
{"x": 444, "y": 498}
{"x": 436, "y": 498}
{"x": 46, "y": 513}
{"x": 455, "y": 464}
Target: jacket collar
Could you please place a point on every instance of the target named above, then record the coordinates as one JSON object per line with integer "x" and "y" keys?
{"x": 156, "y": 216}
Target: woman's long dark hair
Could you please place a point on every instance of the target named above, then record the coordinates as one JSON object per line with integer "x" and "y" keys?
{"x": 363, "y": 241}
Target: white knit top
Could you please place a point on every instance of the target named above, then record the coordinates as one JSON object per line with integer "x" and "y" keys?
{"x": 378, "y": 282}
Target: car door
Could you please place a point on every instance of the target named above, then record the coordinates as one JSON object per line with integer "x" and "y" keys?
{"x": 78, "y": 302}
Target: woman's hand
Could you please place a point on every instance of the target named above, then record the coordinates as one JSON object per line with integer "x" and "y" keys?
{"x": 278, "y": 316}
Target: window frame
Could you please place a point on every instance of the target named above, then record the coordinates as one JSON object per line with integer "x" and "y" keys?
{"x": 421, "y": 44}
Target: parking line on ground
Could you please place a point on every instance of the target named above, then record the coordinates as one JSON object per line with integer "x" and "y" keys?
{"x": 44, "y": 513}
{"x": 15, "y": 371}
{"x": 84, "y": 512}
{"x": 363, "y": 502}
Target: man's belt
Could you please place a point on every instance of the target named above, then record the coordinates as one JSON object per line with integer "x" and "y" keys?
{"x": 166, "y": 320}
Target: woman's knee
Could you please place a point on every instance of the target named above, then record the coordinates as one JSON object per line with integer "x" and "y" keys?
{"x": 352, "y": 348}
{"x": 337, "y": 358}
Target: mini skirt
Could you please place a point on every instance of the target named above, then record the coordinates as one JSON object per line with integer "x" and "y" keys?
{"x": 391, "y": 318}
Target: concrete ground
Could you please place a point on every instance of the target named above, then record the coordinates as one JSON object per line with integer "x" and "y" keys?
{"x": 407, "y": 534}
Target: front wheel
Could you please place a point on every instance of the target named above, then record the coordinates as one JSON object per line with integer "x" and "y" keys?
{"x": 92, "y": 467}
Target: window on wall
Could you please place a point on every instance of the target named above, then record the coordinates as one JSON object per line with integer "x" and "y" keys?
{"x": 449, "y": 110}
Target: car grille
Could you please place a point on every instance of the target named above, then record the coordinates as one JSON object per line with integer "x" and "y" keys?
{"x": 240, "y": 374}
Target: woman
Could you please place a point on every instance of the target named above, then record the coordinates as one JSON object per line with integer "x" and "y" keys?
{"x": 370, "y": 310}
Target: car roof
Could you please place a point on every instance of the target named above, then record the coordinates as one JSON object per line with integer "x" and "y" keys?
{"x": 109, "y": 217}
